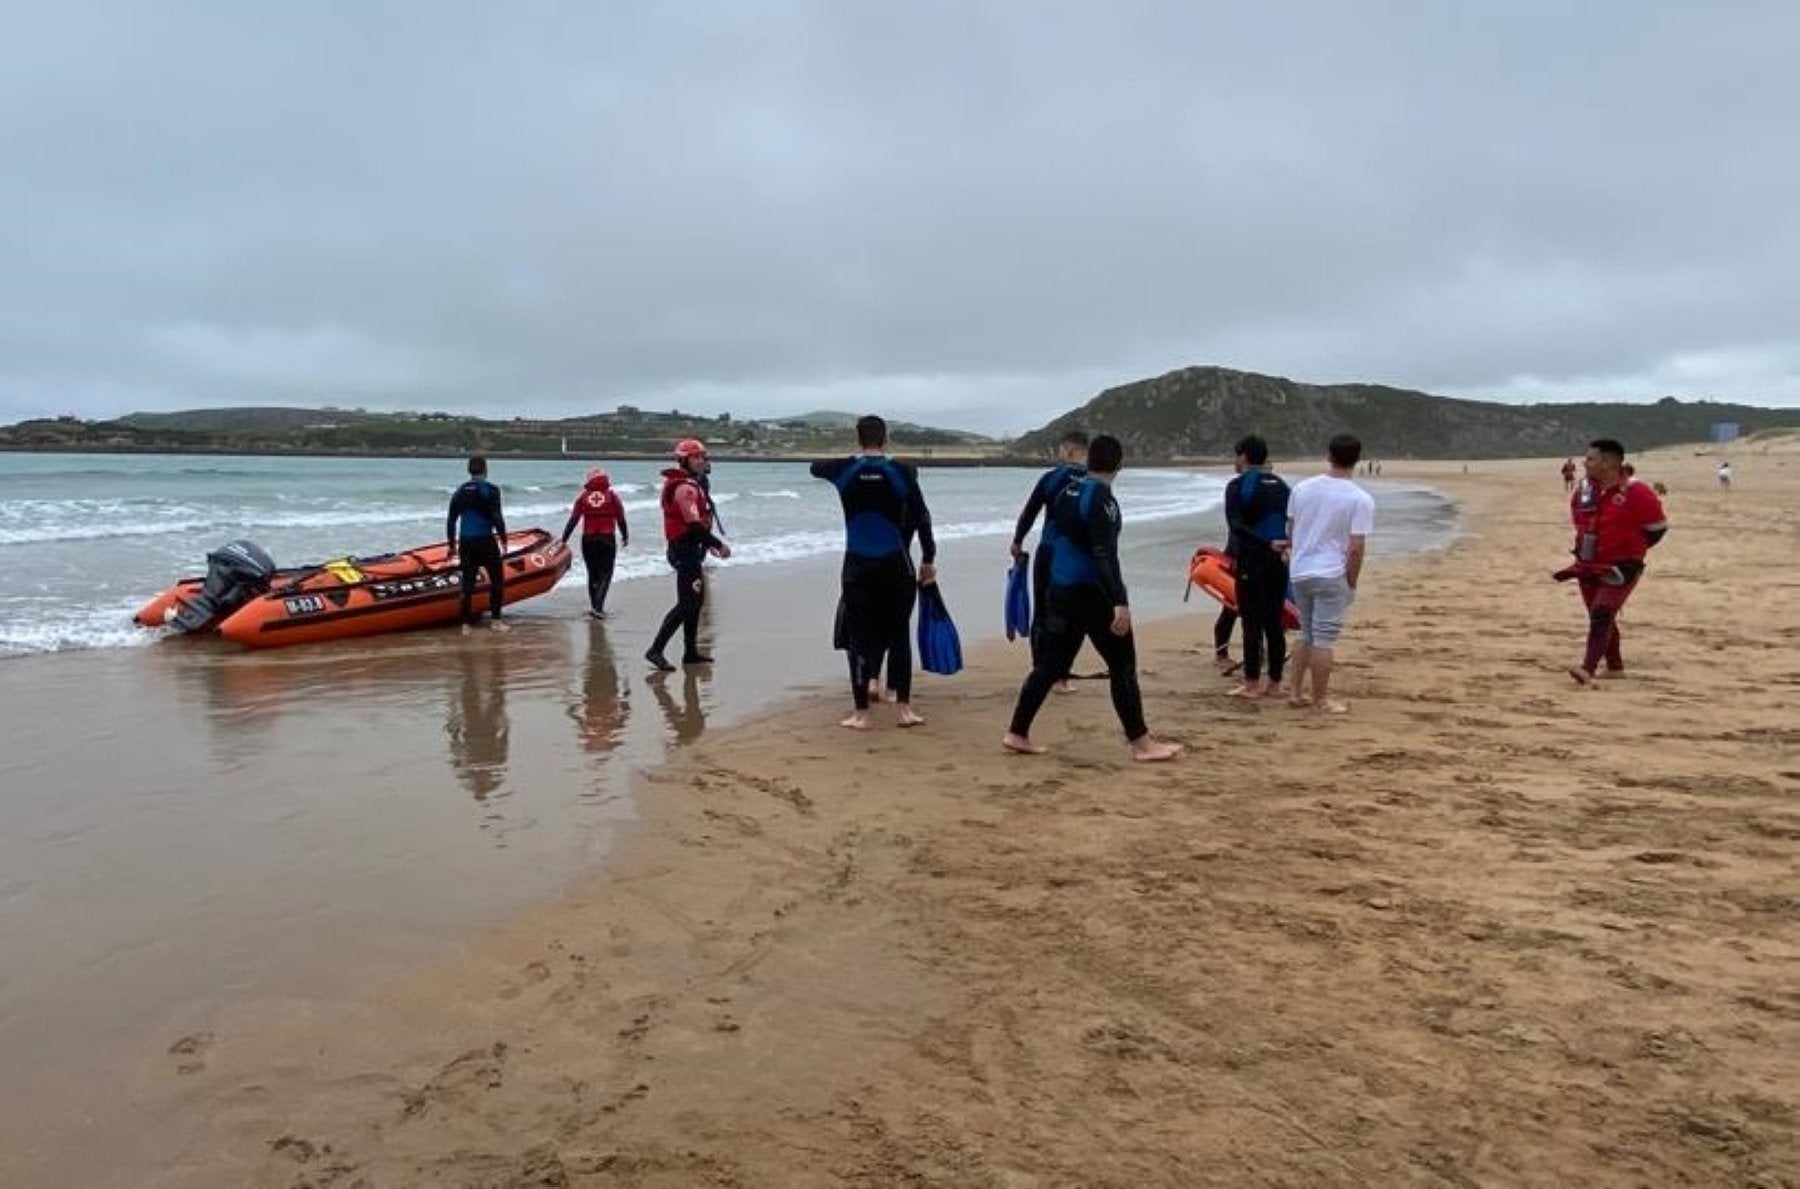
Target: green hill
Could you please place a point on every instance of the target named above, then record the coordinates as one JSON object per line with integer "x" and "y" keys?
{"x": 1200, "y": 412}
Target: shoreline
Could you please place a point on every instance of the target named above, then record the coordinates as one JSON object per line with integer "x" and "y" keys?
{"x": 824, "y": 960}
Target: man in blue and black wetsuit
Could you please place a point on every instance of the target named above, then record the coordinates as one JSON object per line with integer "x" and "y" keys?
{"x": 1256, "y": 507}
{"x": 1072, "y": 450}
{"x": 474, "y": 530}
{"x": 883, "y": 510}
{"x": 1087, "y": 600}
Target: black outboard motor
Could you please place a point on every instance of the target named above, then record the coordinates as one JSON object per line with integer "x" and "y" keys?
{"x": 235, "y": 574}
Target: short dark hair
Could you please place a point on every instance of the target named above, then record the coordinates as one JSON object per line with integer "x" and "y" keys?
{"x": 1608, "y": 446}
{"x": 477, "y": 465}
{"x": 1345, "y": 450}
{"x": 1075, "y": 437}
{"x": 1253, "y": 448}
{"x": 871, "y": 431}
{"x": 1106, "y": 454}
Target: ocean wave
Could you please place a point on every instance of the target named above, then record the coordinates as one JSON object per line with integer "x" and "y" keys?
{"x": 68, "y": 629}
{"x": 244, "y": 522}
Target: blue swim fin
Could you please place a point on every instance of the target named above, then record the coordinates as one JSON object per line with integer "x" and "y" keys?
{"x": 940, "y": 649}
{"x": 1018, "y": 598}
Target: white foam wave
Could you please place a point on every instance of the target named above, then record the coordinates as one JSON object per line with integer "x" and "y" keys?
{"x": 64, "y": 629}
{"x": 93, "y": 526}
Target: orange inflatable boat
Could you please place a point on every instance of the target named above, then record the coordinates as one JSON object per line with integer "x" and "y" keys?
{"x": 245, "y": 598}
{"x": 1211, "y": 570}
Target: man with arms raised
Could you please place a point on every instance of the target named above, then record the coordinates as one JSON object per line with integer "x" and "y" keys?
{"x": 1329, "y": 522}
{"x": 1086, "y": 600}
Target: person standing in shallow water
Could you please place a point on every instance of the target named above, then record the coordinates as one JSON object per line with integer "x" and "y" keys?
{"x": 473, "y": 530}
{"x": 688, "y": 528}
{"x": 883, "y": 510}
{"x": 1087, "y": 600}
{"x": 601, "y": 514}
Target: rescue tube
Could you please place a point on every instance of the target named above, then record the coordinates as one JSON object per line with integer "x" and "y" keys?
{"x": 1212, "y": 571}
{"x": 365, "y": 596}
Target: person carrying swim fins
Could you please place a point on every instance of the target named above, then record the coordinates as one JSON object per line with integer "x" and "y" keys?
{"x": 883, "y": 510}
{"x": 1071, "y": 449}
{"x": 1256, "y": 507}
{"x": 688, "y": 520}
{"x": 1087, "y": 600}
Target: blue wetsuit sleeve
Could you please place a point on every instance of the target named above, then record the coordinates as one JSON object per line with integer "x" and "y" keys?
{"x": 499, "y": 516}
{"x": 456, "y": 508}
{"x": 1103, "y": 537}
{"x": 828, "y": 469}
{"x": 1234, "y": 509}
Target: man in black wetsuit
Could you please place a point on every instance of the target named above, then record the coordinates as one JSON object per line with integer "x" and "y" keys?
{"x": 1256, "y": 507}
{"x": 1087, "y": 600}
{"x": 688, "y": 521}
{"x": 474, "y": 531}
{"x": 883, "y": 510}
{"x": 1072, "y": 450}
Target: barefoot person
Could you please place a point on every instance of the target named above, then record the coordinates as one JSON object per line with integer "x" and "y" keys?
{"x": 1086, "y": 600}
{"x": 1256, "y": 506}
{"x": 1617, "y": 522}
{"x": 883, "y": 510}
{"x": 1072, "y": 450}
{"x": 474, "y": 530}
{"x": 688, "y": 527}
{"x": 1329, "y": 522}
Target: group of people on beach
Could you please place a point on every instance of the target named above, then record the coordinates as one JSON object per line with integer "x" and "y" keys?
{"x": 1294, "y": 552}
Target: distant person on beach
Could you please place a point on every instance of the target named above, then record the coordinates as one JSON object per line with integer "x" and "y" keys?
{"x": 1329, "y": 522}
{"x": 601, "y": 514}
{"x": 474, "y": 530}
{"x": 1256, "y": 506}
{"x": 1568, "y": 474}
{"x": 884, "y": 509}
{"x": 1071, "y": 449}
{"x": 1724, "y": 475}
{"x": 688, "y": 519}
{"x": 1617, "y": 522}
{"x": 1086, "y": 599}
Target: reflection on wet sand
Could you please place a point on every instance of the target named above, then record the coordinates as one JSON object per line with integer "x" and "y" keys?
{"x": 475, "y": 719}
{"x": 687, "y": 718}
{"x": 601, "y": 712}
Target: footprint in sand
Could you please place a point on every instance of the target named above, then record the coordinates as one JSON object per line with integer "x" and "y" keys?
{"x": 190, "y": 1052}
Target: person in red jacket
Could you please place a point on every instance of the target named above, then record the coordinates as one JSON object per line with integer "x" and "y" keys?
{"x": 1617, "y": 522}
{"x": 601, "y": 514}
{"x": 688, "y": 519}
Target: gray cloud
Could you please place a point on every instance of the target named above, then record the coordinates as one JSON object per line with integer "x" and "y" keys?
{"x": 971, "y": 213}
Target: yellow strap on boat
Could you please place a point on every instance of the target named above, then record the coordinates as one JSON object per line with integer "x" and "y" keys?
{"x": 343, "y": 571}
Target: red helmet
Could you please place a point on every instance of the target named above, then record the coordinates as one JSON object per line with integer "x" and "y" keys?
{"x": 688, "y": 448}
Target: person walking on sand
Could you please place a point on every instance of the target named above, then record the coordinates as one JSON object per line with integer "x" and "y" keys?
{"x": 1329, "y": 522}
{"x": 474, "y": 530}
{"x": 601, "y": 514}
{"x": 1724, "y": 475}
{"x": 1071, "y": 449}
{"x": 1086, "y": 599}
{"x": 1256, "y": 506}
{"x": 687, "y": 511}
{"x": 1568, "y": 474}
{"x": 1617, "y": 523}
{"x": 883, "y": 510}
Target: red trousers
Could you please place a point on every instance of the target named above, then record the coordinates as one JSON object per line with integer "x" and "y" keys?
{"x": 1604, "y": 602}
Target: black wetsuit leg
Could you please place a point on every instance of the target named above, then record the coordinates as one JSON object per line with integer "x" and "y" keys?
{"x": 1222, "y": 631}
{"x": 690, "y": 597}
{"x": 1074, "y": 614}
{"x": 599, "y": 553}
{"x": 1261, "y": 592}
{"x": 877, "y": 606}
{"x": 1040, "y": 596}
{"x": 474, "y": 555}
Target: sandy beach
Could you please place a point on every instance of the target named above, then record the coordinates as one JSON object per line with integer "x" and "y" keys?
{"x": 1487, "y": 929}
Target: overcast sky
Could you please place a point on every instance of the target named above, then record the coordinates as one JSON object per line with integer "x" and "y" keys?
{"x": 976, "y": 214}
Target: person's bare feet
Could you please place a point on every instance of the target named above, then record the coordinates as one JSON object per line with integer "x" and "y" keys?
{"x": 909, "y": 717}
{"x": 1299, "y": 701}
{"x": 499, "y": 625}
{"x": 858, "y": 721}
{"x": 1250, "y": 690}
{"x": 1065, "y": 686}
{"x": 1226, "y": 665}
{"x": 1150, "y": 750}
{"x": 1333, "y": 706}
{"x": 1581, "y": 676}
{"x": 1020, "y": 745}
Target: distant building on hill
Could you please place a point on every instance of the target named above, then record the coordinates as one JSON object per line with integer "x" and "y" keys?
{"x": 1725, "y": 431}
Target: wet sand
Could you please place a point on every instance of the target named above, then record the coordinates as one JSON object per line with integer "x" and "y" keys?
{"x": 1487, "y": 929}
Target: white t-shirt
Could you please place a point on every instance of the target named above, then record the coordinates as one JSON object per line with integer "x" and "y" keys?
{"x": 1326, "y": 512}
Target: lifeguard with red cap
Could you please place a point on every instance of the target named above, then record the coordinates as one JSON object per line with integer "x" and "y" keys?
{"x": 601, "y": 514}
{"x": 688, "y": 521}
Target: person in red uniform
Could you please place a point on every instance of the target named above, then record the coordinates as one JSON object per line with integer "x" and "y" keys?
{"x": 1617, "y": 522}
{"x": 688, "y": 520}
{"x": 601, "y": 514}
